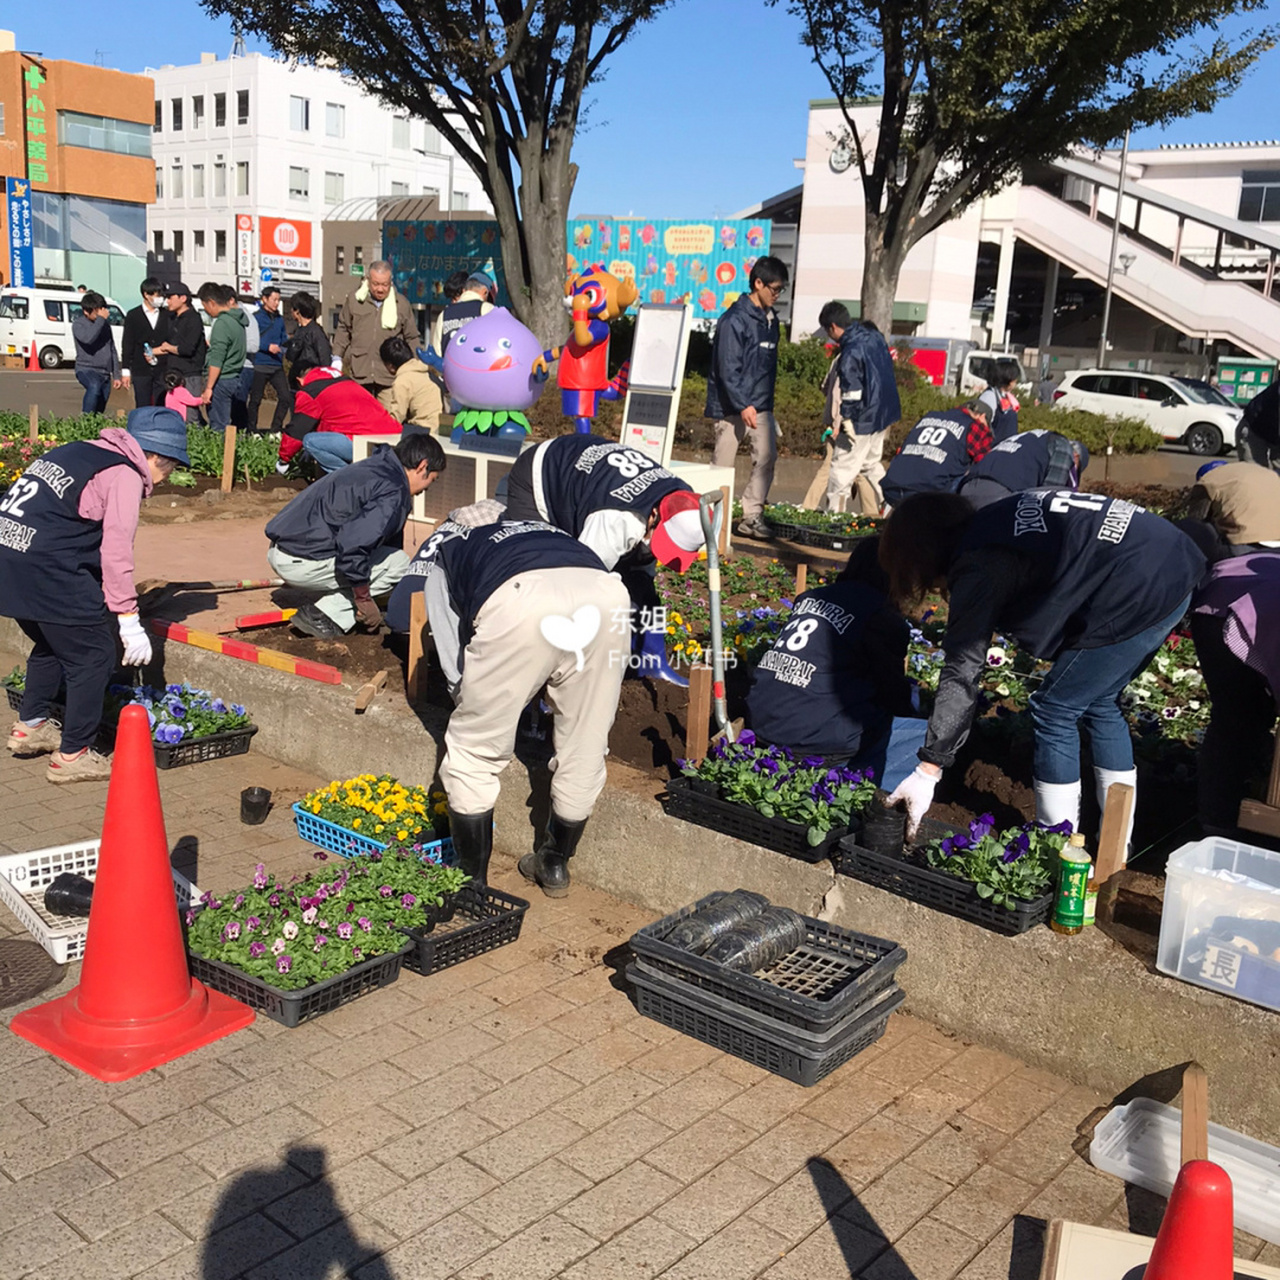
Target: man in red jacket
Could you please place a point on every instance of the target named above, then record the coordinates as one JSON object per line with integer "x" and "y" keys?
{"x": 327, "y": 411}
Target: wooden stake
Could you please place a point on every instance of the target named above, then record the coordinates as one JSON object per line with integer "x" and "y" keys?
{"x": 415, "y": 685}
{"x": 121, "y": 416}
{"x": 369, "y": 690}
{"x": 1112, "y": 851}
{"x": 727, "y": 508}
{"x": 248, "y": 484}
{"x": 229, "y": 458}
{"x": 698, "y": 728}
{"x": 802, "y": 578}
{"x": 1195, "y": 1113}
{"x": 33, "y": 423}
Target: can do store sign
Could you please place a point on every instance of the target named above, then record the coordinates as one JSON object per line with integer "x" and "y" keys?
{"x": 285, "y": 244}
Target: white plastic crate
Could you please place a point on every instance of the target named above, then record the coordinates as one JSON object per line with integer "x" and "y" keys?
{"x": 1221, "y": 923}
{"x": 25, "y": 876}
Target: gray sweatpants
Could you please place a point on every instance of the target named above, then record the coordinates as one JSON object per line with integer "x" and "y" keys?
{"x": 730, "y": 432}
{"x": 506, "y": 662}
{"x": 335, "y": 602}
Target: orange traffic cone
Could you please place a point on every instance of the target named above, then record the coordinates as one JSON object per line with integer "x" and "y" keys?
{"x": 1195, "y": 1238}
{"x": 137, "y": 1006}
{"x": 33, "y": 360}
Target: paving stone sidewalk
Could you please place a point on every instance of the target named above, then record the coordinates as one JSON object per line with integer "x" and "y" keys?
{"x": 513, "y": 1118}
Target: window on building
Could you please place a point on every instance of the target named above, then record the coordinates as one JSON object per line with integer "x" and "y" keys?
{"x": 335, "y": 120}
{"x": 197, "y": 246}
{"x": 219, "y": 180}
{"x": 1, "y": 119}
{"x": 175, "y": 114}
{"x": 432, "y": 193}
{"x": 358, "y": 259}
{"x": 178, "y": 239}
{"x": 197, "y": 182}
{"x": 219, "y": 246}
{"x": 219, "y": 110}
{"x": 159, "y": 183}
{"x": 339, "y": 259}
{"x": 400, "y": 133}
{"x": 157, "y": 242}
{"x": 102, "y": 133}
{"x": 299, "y": 114}
{"x": 242, "y": 177}
{"x": 159, "y": 124}
{"x": 460, "y": 200}
{"x": 399, "y": 188}
{"x": 334, "y": 185}
{"x": 175, "y": 183}
{"x": 242, "y": 106}
{"x": 1260, "y": 196}
{"x": 432, "y": 142}
{"x": 197, "y": 111}
{"x": 299, "y": 183}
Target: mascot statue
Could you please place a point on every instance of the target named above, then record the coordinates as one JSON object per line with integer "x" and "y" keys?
{"x": 493, "y": 366}
{"x": 594, "y": 298}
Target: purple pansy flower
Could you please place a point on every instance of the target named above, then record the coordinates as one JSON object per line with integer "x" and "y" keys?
{"x": 257, "y": 949}
{"x": 284, "y": 964}
{"x": 407, "y": 900}
{"x": 260, "y": 877}
{"x": 365, "y": 924}
{"x": 231, "y": 932}
{"x": 321, "y": 940}
{"x": 345, "y": 931}
{"x": 386, "y": 890}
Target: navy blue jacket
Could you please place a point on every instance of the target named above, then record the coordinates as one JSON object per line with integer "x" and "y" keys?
{"x": 868, "y": 387}
{"x": 744, "y": 360}
{"x": 271, "y": 331}
{"x": 348, "y": 514}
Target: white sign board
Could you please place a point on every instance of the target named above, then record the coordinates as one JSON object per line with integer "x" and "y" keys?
{"x": 245, "y": 264}
{"x": 659, "y": 348}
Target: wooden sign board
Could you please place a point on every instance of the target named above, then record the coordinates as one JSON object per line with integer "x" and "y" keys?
{"x": 1073, "y": 1251}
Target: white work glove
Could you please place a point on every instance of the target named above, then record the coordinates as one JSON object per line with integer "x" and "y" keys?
{"x": 137, "y": 644}
{"x": 915, "y": 791}
{"x": 282, "y": 468}
{"x": 478, "y": 514}
{"x": 336, "y": 364}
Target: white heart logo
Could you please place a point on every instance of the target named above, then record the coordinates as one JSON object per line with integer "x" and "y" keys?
{"x": 572, "y": 634}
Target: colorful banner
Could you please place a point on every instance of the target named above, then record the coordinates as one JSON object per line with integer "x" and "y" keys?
{"x": 22, "y": 267}
{"x": 37, "y": 126}
{"x": 705, "y": 262}
{"x": 424, "y": 254}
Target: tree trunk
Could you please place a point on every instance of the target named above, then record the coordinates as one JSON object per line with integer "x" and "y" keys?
{"x": 880, "y": 276}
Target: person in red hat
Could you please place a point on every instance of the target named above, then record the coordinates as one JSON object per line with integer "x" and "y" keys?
{"x": 630, "y": 510}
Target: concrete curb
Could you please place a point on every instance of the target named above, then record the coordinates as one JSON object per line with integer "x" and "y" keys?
{"x": 1081, "y": 1007}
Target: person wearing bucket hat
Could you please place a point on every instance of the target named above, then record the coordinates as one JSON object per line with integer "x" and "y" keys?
{"x": 66, "y": 567}
{"x": 632, "y": 512}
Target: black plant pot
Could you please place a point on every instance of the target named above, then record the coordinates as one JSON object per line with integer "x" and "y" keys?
{"x": 884, "y": 830}
{"x": 255, "y": 804}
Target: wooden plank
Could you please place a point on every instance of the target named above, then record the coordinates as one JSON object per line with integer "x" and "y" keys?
{"x": 33, "y": 422}
{"x": 268, "y": 619}
{"x": 229, "y": 457}
{"x": 229, "y": 648}
{"x": 802, "y": 578}
{"x": 416, "y": 681}
{"x": 369, "y": 690}
{"x": 727, "y": 509}
{"x": 698, "y": 728}
{"x": 1195, "y": 1113}
{"x": 1256, "y": 816}
{"x": 1074, "y": 1251}
{"x": 1273, "y": 785}
{"x": 1112, "y": 847}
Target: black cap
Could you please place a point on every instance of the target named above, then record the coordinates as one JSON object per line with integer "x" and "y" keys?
{"x": 177, "y": 286}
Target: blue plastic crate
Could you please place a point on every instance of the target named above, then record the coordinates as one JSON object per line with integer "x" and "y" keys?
{"x": 351, "y": 844}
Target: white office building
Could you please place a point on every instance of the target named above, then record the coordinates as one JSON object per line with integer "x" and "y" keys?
{"x": 251, "y": 154}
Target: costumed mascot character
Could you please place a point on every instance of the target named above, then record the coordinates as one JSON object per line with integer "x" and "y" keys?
{"x": 493, "y": 366}
{"x": 594, "y": 298}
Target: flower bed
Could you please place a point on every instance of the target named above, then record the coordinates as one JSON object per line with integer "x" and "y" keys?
{"x": 755, "y": 789}
{"x": 299, "y": 936}
{"x": 378, "y": 809}
{"x": 17, "y": 453}
{"x": 1004, "y": 881}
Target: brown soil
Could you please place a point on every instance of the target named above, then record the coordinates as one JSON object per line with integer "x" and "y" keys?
{"x": 1163, "y": 498}
{"x": 172, "y": 504}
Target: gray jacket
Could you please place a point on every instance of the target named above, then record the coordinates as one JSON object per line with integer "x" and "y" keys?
{"x": 95, "y": 346}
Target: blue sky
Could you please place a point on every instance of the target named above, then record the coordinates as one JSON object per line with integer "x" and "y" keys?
{"x": 701, "y": 114}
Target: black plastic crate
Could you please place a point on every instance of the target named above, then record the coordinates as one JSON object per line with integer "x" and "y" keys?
{"x": 293, "y": 1008}
{"x": 785, "y": 1051}
{"x": 937, "y": 889}
{"x": 474, "y": 920}
{"x": 832, "y": 974}
{"x": 217, "y": 746}
{"x": 787, "y": 532}
{"x": 697, "y": 801}
{"x": 14, "y": 696}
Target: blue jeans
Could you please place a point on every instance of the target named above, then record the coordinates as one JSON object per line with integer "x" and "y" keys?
{"x": 1083, "y": 688}
{"x": 894, "y": 756}
{"x": 97, "y": 390}
{"x": 331, "y": 449}
{"x": 220, "y": 405}
{"x": 240, "y": 390}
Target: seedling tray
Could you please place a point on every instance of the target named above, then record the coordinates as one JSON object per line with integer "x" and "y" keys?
{"x": 698, "y": 801}
{"x": 217, "y": 746}
{"x": 833, "y": 974}
{"x": 936, "y": 889}
{"x": 14, "y": 696}
{"x": 25, "y": 876}
{"x": 292, "y": 1008}
{"x": 827, "y": 540}
{"x": 787, "y": 532}
{"x": 347, "y": 843}
{"x": 698, "y": 1013}
{"x": 474, "y": 920}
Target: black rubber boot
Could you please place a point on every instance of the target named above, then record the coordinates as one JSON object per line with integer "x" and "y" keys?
{"x": 548, "y": 868}
{"x": 472, "y": 843}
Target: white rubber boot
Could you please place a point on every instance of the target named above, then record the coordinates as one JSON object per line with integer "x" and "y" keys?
{"x": 1057, "y": 802}
{"x": 1104, "y": 778}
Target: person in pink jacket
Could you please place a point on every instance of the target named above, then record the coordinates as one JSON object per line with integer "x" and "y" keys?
{"x": 66, "y": 577}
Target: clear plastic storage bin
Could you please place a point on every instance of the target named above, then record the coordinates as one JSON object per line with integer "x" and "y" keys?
{"x": 1221, "y": 922}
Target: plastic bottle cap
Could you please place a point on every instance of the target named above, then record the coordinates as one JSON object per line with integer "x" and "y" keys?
{"x": 1076, "y": 840}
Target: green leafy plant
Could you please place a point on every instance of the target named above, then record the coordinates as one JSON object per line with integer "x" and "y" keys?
{"x": 1017, "y": 865}
{"x": 178, "y": 712}
{"x": 16, "y": 679}
{"x": 380, "y": 807}
{"x": 182, "y": 479}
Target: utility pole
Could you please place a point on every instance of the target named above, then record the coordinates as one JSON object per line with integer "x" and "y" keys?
{"x": 1111, "y": 257}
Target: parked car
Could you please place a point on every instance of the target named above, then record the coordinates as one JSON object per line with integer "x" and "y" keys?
{"x": 978, "y": 371}
{"x": 1181, "y": 413}
{"x": 43, "y": 315}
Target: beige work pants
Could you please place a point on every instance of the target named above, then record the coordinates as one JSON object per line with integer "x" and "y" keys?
{"x": 856, "y": 460}
{"x": 509, "y": 659}
{"x": 730, "y": 432}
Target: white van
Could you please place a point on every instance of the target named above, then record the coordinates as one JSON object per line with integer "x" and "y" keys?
{"x": 43, "y": 314}
{"x": 978, "y": 371}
